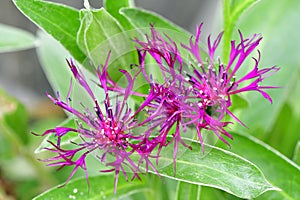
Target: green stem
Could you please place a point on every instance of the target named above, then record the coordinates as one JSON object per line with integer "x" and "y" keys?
{"x": 241, "y": 8}
{"x": 131, "y": 3}
{"x": 45, "y": 178}
{"x": 230, "y": 17}
{"x": 227, "y": 26}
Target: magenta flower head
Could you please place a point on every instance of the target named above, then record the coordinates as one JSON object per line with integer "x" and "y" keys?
{"x": 166, "y": 103}
{"x": 198, "y": 98}
{"x": 205, "y": 90}
{"x": 107, "y": 131}
{"x": 214, "y": 82}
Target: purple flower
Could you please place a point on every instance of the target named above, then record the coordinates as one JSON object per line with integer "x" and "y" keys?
{"x": 107, "y": 132}
{"x": 165, "y": 52}
{"x": 166, "y": 109}
{"x": 214, "y": 83}
{"x": 209, "y": 84}
{"x": 199, "y": 97}
{"x": 166, "y": 102}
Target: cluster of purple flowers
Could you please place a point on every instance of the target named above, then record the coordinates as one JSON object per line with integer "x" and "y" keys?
{"x": 190, "y": 94}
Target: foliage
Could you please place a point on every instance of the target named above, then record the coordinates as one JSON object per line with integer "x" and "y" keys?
{"x": 262, "y": 161}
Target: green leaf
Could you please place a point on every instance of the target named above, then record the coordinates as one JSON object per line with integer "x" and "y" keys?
{"x": 142, "y": 19}
{"x": 101, "y": 187}
{"x": 296, "y": 157}
{"x": 287, "y": 122}
{"x": 58, "y": 20}
{"x": 187, "y": 191}
{"x": 294, "y": 96}
{"x": 193, "y": 167}
{"x": 100, "y": 33}
{"x": 14, "y": 118}
{"x": 52, "y": 57}
{"x": 284, "y": 57}
{"x": 232, "y": 11}
{"x": 113, "y": 7}
{"x": 238, "y": 7}
{"x": 160, "y": 188}
{"x": 238, "y": 102}
{"x": 278, "y": 170}
{"x": 14, "y": 39}
{"x": 208, "y": 193}
{"x": 218, "y": 168}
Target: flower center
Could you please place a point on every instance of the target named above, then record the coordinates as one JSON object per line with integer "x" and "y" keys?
{"x": 109, "y": 132}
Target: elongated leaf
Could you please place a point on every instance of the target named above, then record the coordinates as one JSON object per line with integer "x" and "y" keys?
{"x": 58, "y": 20}
{"x": 239, "y": 7}
{"x": 284, "y": 57}
{"x": 294, "y": 96}
{"x": 232, "y": 11}
{"x": 142, "y": 19}
{"x": 14, "y": 39}
{"x": 187, "y": 191}
{"x": 53, "y": 57}
{"x": 113, "y": 7}
{"x": 208, "y": 193}
{"x": 238, "y": 102}
{"x": 97, "y": 27}
{"x": 279, "y": 171}
{"x": 101, "y": 187}
{"x": 220, "y": 169}
{"x": 100, "y": 33}
{"x": 287, "y": 122}
{"x": 296, "y": 157}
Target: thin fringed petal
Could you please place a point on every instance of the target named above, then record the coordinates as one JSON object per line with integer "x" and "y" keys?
{"x": 80, "y": 78}
{"x": 103, "y": 130}
{"x": 59, "y": 132}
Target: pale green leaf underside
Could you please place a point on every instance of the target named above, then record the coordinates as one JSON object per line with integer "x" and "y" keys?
{"x": 113, "y": 7}
{"x": 101, "y": 187}
{"x": 218, "y": 168}
{"x": 52, "y": 57}
{"x": 278, "y": 170}
{"x": 101, "y": 33}
{"x": 142, "y": 19}
{"x": 14, "y": 39}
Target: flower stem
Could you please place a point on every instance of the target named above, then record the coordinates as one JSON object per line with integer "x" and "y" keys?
{"x": 131, "y": 3}
{"x": 228, "y": 27}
